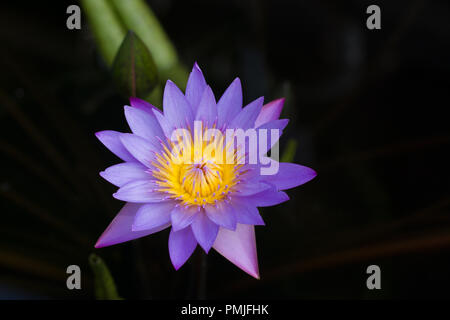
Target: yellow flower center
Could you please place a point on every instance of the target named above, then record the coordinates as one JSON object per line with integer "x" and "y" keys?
{"x": 196, "y": 172}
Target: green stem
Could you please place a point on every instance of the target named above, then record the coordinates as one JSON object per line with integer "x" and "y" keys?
{"x": 106, "y": 26}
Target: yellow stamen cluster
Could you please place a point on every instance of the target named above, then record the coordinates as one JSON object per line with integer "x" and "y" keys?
{"x": 195, "y": 171}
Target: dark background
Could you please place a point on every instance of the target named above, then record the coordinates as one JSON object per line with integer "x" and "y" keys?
{"x": 367, "y": 107}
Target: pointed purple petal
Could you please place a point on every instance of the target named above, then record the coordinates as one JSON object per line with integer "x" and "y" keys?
{"x": 267, "y": 198}
{"x": 153, "y": 215}
{"x": 142, "y": 149}
{"x": 111, "y": 140}
{"x": 176, "y": 108}
{"x": 182, "y": 244}
{"x": 142, "y": 105}
{"x": 139, "y": 191}
{"x": 207, "y": 109}
{"x": 270, "y": 111}
{"x": 251, "y": 187}
{"x": 291, "y": 175}
{"x": 195, "y": 86}
{"x": 166, "y": 126}
{"x": 265, "y": 134}
{"x": 123, "y": 173}
{"x": 205, "y": 231}
{"x": 279, "y": 124}
{"x": 230, "y": 103}
{"x": 245, "y": 213}
{"x": 119, "y": 229}
{"x": 182, "y": 217}
{"x": 239, "y": 247}
{"x": 142, "y": 123}
{"x": 222, "y": 214}
{"x": 246, "y": 118}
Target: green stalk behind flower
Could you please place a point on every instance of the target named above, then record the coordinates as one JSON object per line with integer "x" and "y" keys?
{"x": 106, "y": 27}
{"x": 138, "y": 17}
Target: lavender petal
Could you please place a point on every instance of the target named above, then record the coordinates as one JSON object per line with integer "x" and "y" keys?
{"x": 239, "y": 247}
{"x": 119, "y": 230}
{"x": 222, "y": 214}
{"x": 152, "y": 215}
{"x": 182, "y": 244}
{"x": 111, "y": 140}
{"x": 230, "y": 103}
{"x": 139, "y": 191}
{"x": 182, "y": 217}
{"x": 142, "y": 123}
{"x": 270, "y": 111}
{"x": 195, "y": 87}
{"x": 205, "y": 231}
{"x": 123, "y": 173}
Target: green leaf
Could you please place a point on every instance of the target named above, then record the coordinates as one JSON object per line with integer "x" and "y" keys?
{"x": 136, "y": 15}
{"x": 133, "y": 69}
{"x": 289, "y": 151}
{"x": 105, "y": 288}
{"x": 106, "y": 27}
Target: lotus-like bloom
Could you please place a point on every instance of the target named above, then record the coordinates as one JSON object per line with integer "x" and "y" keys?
{"x": 206, "y": 201}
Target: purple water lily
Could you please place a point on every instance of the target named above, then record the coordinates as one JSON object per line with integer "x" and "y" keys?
{"x": 206, "y": 202}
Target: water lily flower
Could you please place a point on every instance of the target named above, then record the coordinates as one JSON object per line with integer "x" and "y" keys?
{"x": 208, "y": 202}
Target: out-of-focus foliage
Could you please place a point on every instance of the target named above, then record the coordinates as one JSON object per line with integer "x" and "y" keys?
{"x": 105, "y": 287}
{"x": 109, "y": 21}
{"x": 289, "y": 152}
{"x": 136, "y": 15}
{"x": 134, "y": 70}
{"x": 106, "y": 27}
